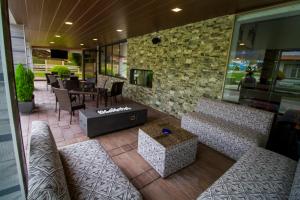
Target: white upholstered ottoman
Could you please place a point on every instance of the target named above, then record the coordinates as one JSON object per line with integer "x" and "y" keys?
{"x": 166, "y": 153}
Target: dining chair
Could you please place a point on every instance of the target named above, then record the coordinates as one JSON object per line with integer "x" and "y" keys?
{"x": 53, "y": 81}
{"x": 65, "y": 102}
{"x": 47, "y": 79}
{"x": 116, "y": 90}
{"x": 61, "y": 83}
{"x": 102, "y": 82}
{"x": 72, "y": 84}
{"x": 90, "y": 84}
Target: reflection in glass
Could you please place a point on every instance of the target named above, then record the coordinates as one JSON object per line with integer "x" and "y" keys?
{"x": 102, "y": 60}
{"x": 123, "y": 60}
{"x": 90, "y": 59}
{"x": 141, "y": 77}
{"x": 264, "y": 64}
{"x": 109, "y": 60}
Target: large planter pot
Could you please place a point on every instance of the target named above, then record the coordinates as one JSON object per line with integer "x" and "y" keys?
{"x": 26, "y": 107}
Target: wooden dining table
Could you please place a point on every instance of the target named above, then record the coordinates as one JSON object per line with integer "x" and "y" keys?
{"x": 99, "y": 93}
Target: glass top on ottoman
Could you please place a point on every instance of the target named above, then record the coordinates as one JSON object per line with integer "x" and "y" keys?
{"x": 177, "y": 135}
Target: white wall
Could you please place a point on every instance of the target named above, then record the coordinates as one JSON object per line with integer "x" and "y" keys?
{"x": 18, "y": 44}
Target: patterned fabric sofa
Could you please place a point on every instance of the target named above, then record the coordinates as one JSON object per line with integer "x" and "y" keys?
{"x": 228, "y": 128}
{"x": 258, "y": 174}
{"x": 79, "y": 171}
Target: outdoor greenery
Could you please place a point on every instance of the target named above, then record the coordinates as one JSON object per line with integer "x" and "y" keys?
{"x": 75, "y": 58}
{"x": 24, "y": 83}
{"x": 61, "y": 70}
{"x": 234, "y": 77}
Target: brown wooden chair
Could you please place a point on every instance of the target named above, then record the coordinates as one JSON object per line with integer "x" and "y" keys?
{"x": 65, "y": 102}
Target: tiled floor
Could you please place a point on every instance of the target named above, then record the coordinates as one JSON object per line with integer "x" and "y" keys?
{"x": 187, "y": 183}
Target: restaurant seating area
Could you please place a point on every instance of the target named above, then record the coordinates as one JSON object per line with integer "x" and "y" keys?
{"x": 153, "y": 100}
{"x": 130, "y": 154}
{"x": 122, "y": 145}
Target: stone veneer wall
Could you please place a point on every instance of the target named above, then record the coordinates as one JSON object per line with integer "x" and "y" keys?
{"x": 189, "y": 63}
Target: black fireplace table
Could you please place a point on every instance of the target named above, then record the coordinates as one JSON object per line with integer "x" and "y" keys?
{"x": 94, "y": 124}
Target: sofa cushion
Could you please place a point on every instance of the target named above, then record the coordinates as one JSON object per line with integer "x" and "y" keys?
{"x": 259, "y": 120}
{"x": 230, "y": 139}
{"x": 295, "y": 191}
{"x": 46, "y": 174}
{"x": 91, "y": 174}
{"x": 259, "y": 174}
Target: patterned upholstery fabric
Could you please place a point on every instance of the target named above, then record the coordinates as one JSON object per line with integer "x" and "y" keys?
{"x": 259, "y": 174}
{"x": 228, "y": 138}
{"x": 91, "y": 174}
{"x": 255, "y": 119}
{"x": 46, "y": 174}
{"x": 295, "y": 191}
{"x": 166, "y": 160}
{"x": 229, "y": 128}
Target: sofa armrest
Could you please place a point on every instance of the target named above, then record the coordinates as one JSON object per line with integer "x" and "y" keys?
{"x": 46, "y": 174}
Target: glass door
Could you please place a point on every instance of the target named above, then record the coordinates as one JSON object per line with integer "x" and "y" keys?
{"x": 90, "y": 64}
{"x": 264, "y": 59}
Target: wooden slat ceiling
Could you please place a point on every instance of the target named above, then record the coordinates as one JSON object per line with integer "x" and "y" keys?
{"x": 43, "y": 19}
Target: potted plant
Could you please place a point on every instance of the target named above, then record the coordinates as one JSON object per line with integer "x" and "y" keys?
{"x": 24, "y": 87}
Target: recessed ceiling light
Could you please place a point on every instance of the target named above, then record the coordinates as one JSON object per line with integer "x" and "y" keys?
{"x": 58, "y": 36}
{"x": 119, "y": 30}
{"x": 81, "y": 44}
{"x": 242, "y": 44}
{"x": 51, "y": 42}
{"x": 95, "y": 39}
{"x": 68, "y": 23}
{"x": 176, "y": 9}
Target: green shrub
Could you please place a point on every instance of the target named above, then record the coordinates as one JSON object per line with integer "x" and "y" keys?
{"x": 24, "y": 83}
{"x": 61, "y": 70}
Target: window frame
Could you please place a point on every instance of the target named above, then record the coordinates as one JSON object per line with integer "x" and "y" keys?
{"x": 112, "y": 62}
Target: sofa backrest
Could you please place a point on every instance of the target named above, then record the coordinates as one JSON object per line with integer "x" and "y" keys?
{"x": 46, "y": 175}
{"x": 255, "y": 119}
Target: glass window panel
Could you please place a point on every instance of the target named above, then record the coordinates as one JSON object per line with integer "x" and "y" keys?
{"x": 12, "y": 157}
{"x": 123, "y": 60}
{"x": 109, "y": 60}
{"x": 90, "y": 63}
{"x": 115, "y": 58}
{"x": 263, "y": 66}
{"x": 102, "y": 60}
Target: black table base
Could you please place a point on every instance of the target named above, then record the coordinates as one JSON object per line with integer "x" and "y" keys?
{"x": 93, "y": 124}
